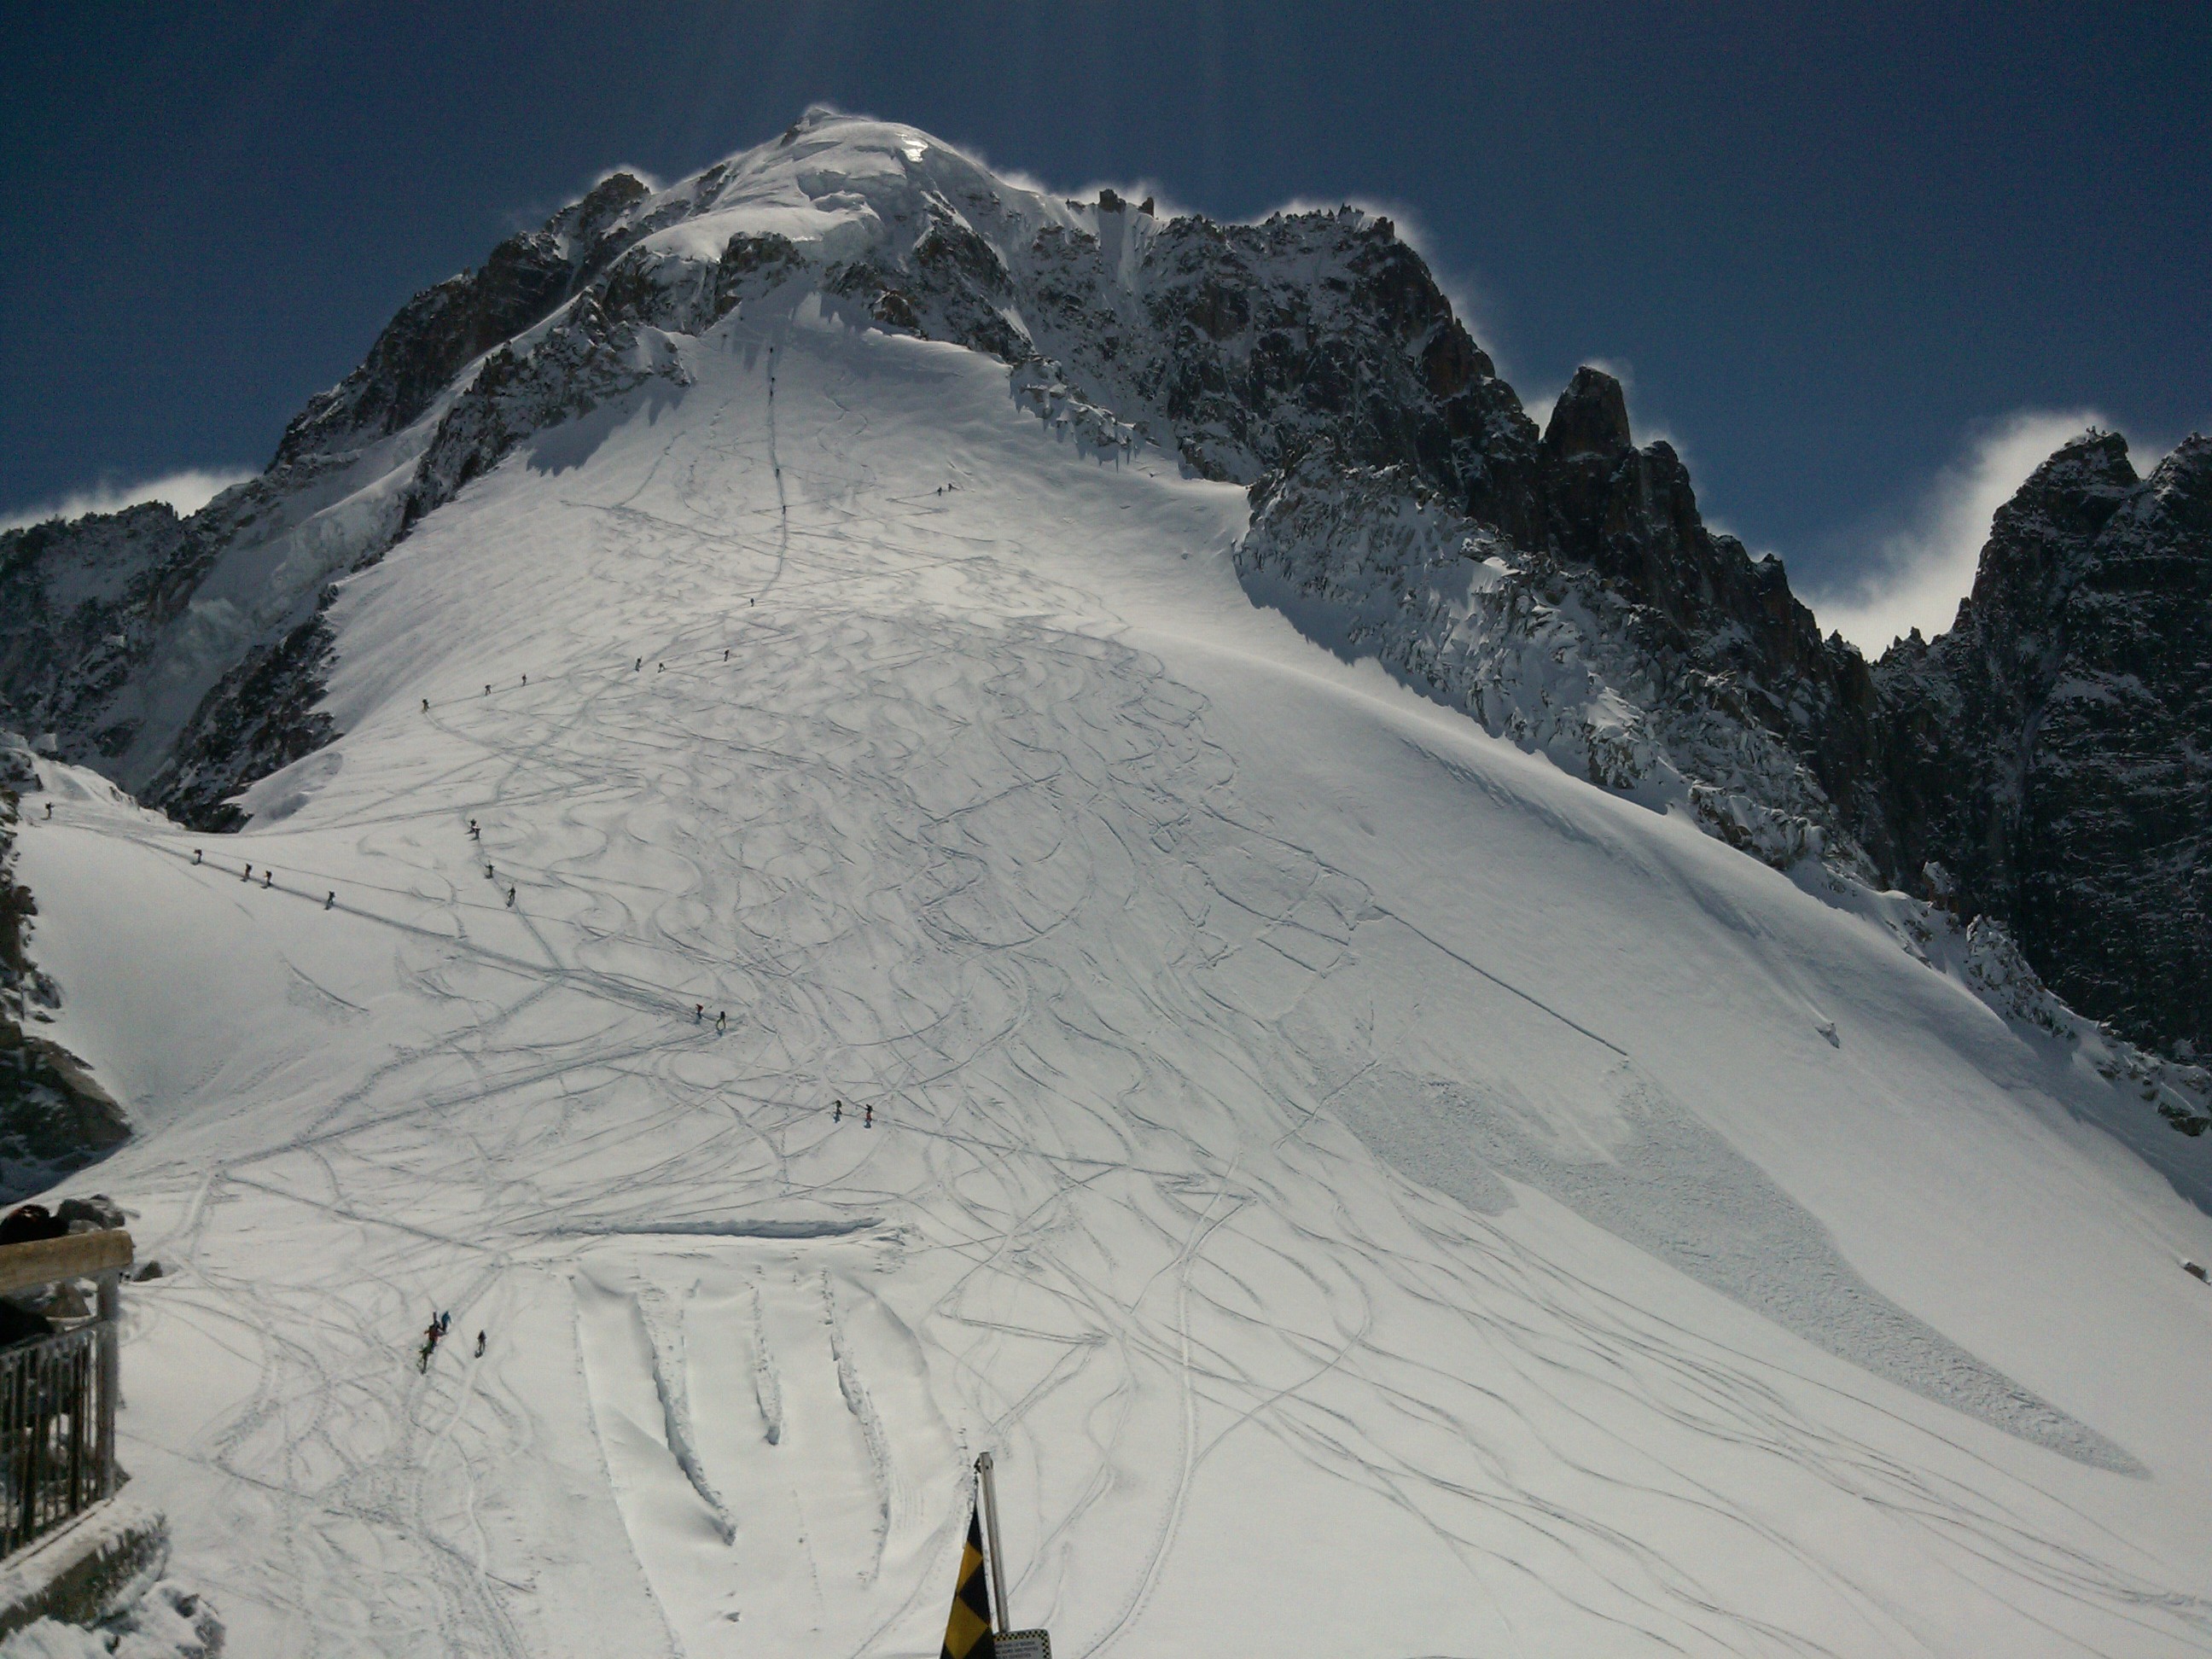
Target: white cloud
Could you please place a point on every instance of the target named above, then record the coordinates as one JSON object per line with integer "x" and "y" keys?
{"x": 1915, "y": 576}
{"x": 188, "y": 491}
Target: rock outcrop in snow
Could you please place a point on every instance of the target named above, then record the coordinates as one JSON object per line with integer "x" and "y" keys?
{"x": 1554, "y": 651}
{"x": 54, "y": 1118}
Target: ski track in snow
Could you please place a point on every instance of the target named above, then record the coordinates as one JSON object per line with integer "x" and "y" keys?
{"x": 943, "y": 835}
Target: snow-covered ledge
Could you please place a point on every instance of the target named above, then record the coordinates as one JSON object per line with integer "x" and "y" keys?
{"x": 88, "y": 1570}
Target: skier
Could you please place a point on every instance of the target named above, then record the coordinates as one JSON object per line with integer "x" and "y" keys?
{"x": 49, "y": 809}
{"x": 838, "y": 1115}
{"x": 247, "y": 874}
{"x": 641, "y": 662}
{"x": 510, "y": 898}
{"x": 445, "y": 1323}
{"x": 698, "y": 1013}
{"x": 425, "y": 705}
{"x": 486, "y": 691}
{"x": 488, "y": 874}
{"x": 268, "y": 878}
{"x": 721, "y": 1022}
{"x": 331, "y": 899}
{"x": 480, "y": 1342}
{"x": 475, "y": 833}
{"x": 726, "y": 653}
{"x": 196, "y": 855}
{"x": 660, "y": 668}
{"x": 868, "y": 1116}
{"x": 525, "y": 679}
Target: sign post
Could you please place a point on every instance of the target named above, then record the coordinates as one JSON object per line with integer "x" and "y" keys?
{"x": 988, "y": 1485}
{"x": 1005, "y": 1644}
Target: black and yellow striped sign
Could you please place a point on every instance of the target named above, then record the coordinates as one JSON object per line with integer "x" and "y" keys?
{"x": 968, "y": 1633}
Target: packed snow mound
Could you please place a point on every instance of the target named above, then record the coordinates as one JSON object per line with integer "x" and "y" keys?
{"x": 837, "y": 936}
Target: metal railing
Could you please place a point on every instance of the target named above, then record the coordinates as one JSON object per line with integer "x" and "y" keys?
{"x": 56, "y": 1431}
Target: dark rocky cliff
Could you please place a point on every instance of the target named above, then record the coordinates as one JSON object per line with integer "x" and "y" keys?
{"x": 54, "y": 1117}
{"x": 2052, "y": 752}
{"x": 446, "y": 327}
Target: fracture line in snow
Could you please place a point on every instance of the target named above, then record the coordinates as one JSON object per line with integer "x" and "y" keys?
{"x": 1502, "y": 984}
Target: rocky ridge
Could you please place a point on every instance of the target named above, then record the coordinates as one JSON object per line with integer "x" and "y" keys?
{"x": 1677, "y": 690}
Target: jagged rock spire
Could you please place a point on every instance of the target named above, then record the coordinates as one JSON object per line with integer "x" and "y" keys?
{"x": 1590, "y": 417}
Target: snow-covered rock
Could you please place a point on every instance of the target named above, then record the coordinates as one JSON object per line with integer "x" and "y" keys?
{"x": 1539, "y": 650}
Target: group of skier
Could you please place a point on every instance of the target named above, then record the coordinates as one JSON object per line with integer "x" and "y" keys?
{"x": 490, "y": 875}
{"x": 434, "y": 1333}
{"x": 442, "y": 1323}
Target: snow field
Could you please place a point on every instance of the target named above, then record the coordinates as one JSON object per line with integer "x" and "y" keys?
{"x": 1303, "y": 1125}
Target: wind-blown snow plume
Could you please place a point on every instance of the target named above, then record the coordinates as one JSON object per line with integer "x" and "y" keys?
{"x": 188, "y": 490}
{"x": 1915, "y": 576}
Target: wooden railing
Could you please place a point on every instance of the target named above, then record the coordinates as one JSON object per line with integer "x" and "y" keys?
{"x": 58, "y": 1393}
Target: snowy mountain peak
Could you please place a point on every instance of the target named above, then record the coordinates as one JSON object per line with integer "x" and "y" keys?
{"x": 1312, "y": 358}
{"x": 835, "y": 195}
{"x": 863, "y": 815}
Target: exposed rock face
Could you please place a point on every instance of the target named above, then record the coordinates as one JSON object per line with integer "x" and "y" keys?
{"x": 261, "y": 716}
{"x": 1723, "y": 626}
{"x": 1559, "y": 584}
{"x": 443, "y": 329}
{"x": 54, "y": 1118}
{"x": 1542, "y": 648}
{"x": 1616, "y": 633}
{"x": 2053, "y": 751}
{"x": 1244, "y": 345}
{"x": 80, "y": 601}
{"x": 99, "y": 621}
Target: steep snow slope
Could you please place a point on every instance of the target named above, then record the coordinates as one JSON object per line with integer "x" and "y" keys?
{"x": 1374, "y": 1192}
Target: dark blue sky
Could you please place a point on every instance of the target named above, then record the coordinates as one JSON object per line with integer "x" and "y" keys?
{"x": 1834, "y": 244}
